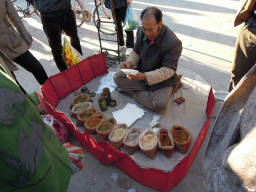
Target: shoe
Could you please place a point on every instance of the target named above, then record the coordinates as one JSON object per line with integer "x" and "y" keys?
{"x": 129, "y": 50}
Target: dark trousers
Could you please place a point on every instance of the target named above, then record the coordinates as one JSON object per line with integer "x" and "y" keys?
{"x": 53, "y": 27}
{"x": 245, "y": 55}
{"x": 31, "y": 64}
{"x": 120, "y": 16}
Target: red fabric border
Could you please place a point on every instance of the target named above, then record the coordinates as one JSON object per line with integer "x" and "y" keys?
{"x": 84, "y": 72}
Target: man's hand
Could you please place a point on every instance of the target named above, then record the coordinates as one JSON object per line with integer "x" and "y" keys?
{"x": 139, "y": 77}
{"x": 129, "y": 2}
{"x": 126, "y": 65}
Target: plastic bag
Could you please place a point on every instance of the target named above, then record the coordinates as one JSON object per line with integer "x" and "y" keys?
{"x": 75, "y": 155}
{"x": 57, "y": 127}
{"x": 131, "y": 21}
{"x": 69, "y": 54}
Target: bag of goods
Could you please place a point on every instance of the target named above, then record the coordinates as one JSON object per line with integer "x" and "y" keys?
{"x": 75, "y": 155}
{"x": 105, "y": 128}
{"x": 148, "y": 143}
{"x": 93, "y": 122}
{"x": 80, "y": 107}
{"x": 117, "y": 135}
{"x": 79, "y": 98}
{"x": 165, "y": 142}
{"x": 131, "y": 21}
{"x": 70, "y": 55}
{"x": 58, "y": 127}
{"x": 84, "y": 115}
{"x": 131, "y": 140}
{"x": 181, "y": 137}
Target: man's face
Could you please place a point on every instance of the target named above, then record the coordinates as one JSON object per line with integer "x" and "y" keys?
{"x": 150, "y": 27}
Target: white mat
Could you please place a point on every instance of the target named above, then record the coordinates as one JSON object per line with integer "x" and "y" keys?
{"x": 191, "y": 114}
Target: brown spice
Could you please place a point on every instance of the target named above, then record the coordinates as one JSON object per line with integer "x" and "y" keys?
{"x": 180, "y": 135}
{"x": 164, "y": 139}
{"x": 80, "y": 99}
{"x": 106, "y": 126}
{"x": 93, "y": 122}
{"x": 86, "y": 114}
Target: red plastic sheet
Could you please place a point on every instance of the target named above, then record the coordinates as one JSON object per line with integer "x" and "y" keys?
{"x": 60, "y": 85}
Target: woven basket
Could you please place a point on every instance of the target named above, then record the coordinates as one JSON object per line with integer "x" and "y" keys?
{"x": 93, "y": 122}
{"x": 79, "y": 98}
{"x": 105, "y": 128}
{"x": 80, "y": 107}
{"x": 181, "y": 137}
{"x": 131, "y": 140}
{"x": 165, "y": 142}
{"x": 84, "y": 115}
{"x": 148, "y": 143}
{"x": 117, "y": 135}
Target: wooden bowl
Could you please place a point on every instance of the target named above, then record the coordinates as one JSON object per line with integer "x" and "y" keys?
{"x": 80, "y": 107}
{"x": 93, "y": 122}
{"x": 148, "y": 143}
{"x": 84, "y": 115}
{"x": 79, "y": 98}
{"x": 165, "y": 142}
{"x": 105, "y": 128}
{"x": 117, "y": 135}
{"x": 131, "y": 140}
{"x": 181, "y": 137}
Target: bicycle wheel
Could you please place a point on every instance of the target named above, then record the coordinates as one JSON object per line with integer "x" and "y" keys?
{"x": 104, "y": 16}
{"x": 23, "y": 8}
{"x": 78, "y": 13}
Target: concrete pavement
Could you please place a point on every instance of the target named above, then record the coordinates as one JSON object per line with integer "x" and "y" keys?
{"x": 208, "y": 36}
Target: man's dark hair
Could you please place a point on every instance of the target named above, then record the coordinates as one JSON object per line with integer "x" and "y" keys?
{"x": 152, "y": 11}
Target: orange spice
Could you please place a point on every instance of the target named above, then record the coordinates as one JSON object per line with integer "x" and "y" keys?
{"x": 180, "y": 135}
{"x": 93, "y": 122}
{"x": 164, "y": 139}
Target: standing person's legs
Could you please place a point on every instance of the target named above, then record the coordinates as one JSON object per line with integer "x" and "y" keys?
{"x": 129, "y": 39}
{"x": 245, "y": 55}
{"x": 119, "y": 16}
{"x": 52, "y": 29}
{"x": 22, "y": 89}
{"x": 70, "y": 28}
{"x": 129, "y": 34}
{"x": 31, "y": 64}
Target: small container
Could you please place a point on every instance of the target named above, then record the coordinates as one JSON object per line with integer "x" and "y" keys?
{"x": 79, "y": 98}
{"x": 165, "y": 142}
{"x": 80, "y": 107}
{"x": 181, "y": 137}
{"x": 105, "y": 128}
{"x": 93, "y": 122}
{"x": 84, "y": 115}
{"x": 102, "y": 103}
{"x": 107, "y": 95}
{"x": 131, "y": 140}
{"x": 148, "y": 143}
{"x": 117, "y": 135}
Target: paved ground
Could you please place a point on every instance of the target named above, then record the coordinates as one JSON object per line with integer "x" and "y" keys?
{"x": 208, "y": 37}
